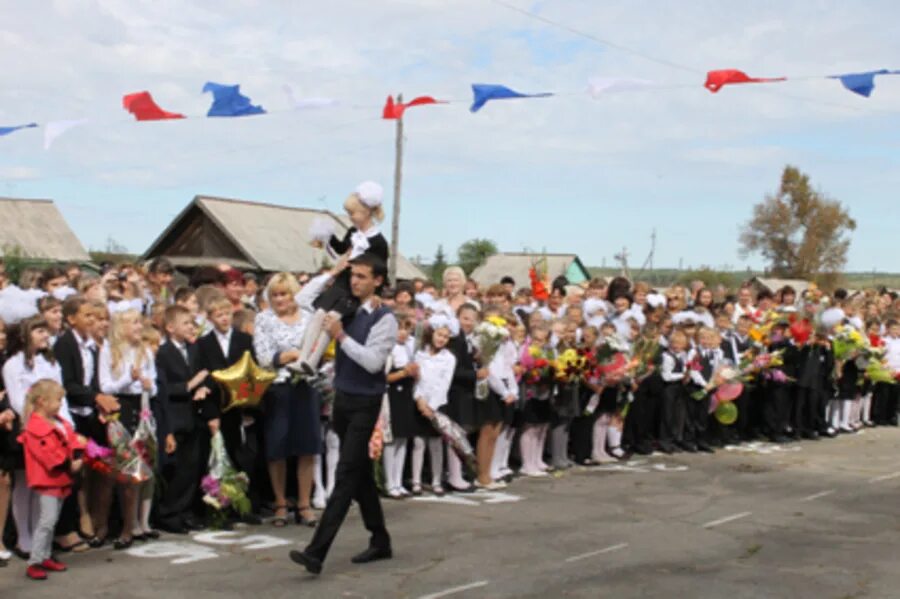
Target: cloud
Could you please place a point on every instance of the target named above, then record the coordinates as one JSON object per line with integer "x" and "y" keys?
{"x": 602, "y": 159}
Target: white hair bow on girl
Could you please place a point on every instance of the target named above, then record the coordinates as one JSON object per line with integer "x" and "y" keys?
{"x": 442, "y": 321}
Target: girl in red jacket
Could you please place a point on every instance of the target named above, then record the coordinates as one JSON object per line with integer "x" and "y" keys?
{"x": 49, "y": 445}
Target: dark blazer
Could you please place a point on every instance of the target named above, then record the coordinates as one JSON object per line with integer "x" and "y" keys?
{"x": 69, "y": 357}
{"x": 210, "y": 357}
{"x": 464, "y": 376}
{"x": 182, "y": 412}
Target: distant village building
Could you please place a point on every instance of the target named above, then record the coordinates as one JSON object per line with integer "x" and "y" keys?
{"x": 37, "y": 231}
{"x": 517, "y": 265}
{"x": 249, "y": 236}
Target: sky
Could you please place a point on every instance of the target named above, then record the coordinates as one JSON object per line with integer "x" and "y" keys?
{"x": 568, "y": 174}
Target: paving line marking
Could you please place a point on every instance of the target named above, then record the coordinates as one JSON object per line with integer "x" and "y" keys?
{"x": 609, "y": 549}
{"x": 879, "y": 479}
{"x": 454, "y": 590}
{"x": 726, "y": 519}
{"x": 819, "y": 495}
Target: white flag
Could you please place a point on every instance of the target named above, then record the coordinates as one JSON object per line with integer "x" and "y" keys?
{"x": 54, "y": 129}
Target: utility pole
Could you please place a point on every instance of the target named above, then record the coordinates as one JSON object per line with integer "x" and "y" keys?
{"x": 398, "y": 177}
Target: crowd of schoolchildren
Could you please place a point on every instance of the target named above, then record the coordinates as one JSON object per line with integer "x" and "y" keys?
{"x": 578, "y": 375}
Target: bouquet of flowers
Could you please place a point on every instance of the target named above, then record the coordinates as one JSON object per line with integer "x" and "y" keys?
{"x": 489, "y": 336}
{"x": 848, "y": 343}
{"x": 572, "y": 365}
{"x": 456, "y": 437}
{"x": 224, "y": 486}
{"x": 144, "y": 441}
{"x": 538, "y": 372}
{"x": 120, "y": 460}
{"x": 643, "y": 353}
{"x": 725, "y": 384}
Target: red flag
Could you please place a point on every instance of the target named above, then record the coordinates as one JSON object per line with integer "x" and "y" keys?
{"x": 142, "y": 106}
{"x": 716, "y": 79}
{"x": 393, "y": 110}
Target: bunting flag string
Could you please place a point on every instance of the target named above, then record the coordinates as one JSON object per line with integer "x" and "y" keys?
{"x": 862, "y": 83}
{"x": 8, "y": 130}
{"x": 228, "y": 101}
{"x": 715, "y": 80}
{"x": 393, "y": 111}
{"x": 144, "y": 108}
{"x": 54, "y": 129}
{"x": 485, "y": 92}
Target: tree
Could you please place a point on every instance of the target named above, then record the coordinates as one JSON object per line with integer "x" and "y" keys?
{"x": 439, "y": 266}
{"x": 474, "y": 252}
{"x": 799, "y": 230}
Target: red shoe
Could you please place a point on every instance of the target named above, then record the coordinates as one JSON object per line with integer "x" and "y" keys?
{"x": 36, "y": 573}
{"x": 51, "y": 565}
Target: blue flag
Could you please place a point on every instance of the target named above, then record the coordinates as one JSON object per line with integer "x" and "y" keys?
{"x": 485, "y": 92}
{"x": 8, "y": 130}
{"x": 862, "y": 83}
{"x": 228, "y": 101}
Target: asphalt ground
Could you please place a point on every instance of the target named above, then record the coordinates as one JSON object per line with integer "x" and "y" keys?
{"x": 812, "y": 519}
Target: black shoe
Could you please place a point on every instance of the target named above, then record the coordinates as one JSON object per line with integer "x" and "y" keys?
{"x": 455, "y": 489}
{"x": 687, "y": 446}
{"x": 312, "y": 564}
{"x": 667, "y": 448}
{"x": 372, "y": 554}
{"x": 173, "y": 528}
{"x": 780, "y": 439}
{"x": 23, "y": 555}
{"x": 705, "y": 447}
{"x": 121, "y": 544}
{"x": 644, "y": 449}
{"x": 811, "y": 435}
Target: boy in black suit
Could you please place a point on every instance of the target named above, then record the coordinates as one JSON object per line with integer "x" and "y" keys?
{"x": 220, "y": 348}
{"x": 188, "y": 421}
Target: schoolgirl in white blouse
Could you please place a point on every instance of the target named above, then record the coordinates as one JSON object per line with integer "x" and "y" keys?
{"x": 436, "y": 364}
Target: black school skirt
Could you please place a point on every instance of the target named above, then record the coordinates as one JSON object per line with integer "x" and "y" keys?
{"x": 403, "y": 409}
{"x": 494, "y": 410}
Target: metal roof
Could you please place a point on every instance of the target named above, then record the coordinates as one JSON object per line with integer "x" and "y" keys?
{"x": 38, "y": 229}
{"x": 268, "y": 236}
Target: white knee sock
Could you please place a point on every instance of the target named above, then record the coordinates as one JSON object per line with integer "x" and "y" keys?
{"x": 332, "y": 454}
{"x": 846, "y": 409}
{"x": 399, "y": 461}
{"x": 541, "y": 443}
{"x": 436, "y": 452}
{"x": 507, "y": 449}
{"x": 526, "y": 449}
{"x": 866, "y": 408}
{"x": 387, "y": 458}
{"x": 834, "y": 409}
{"x": 614, "y": 434}
{"x": 454, "y": 470}
{"x": 318, "y": 481}
{"x": 418, "y": 460}
{"x": 601, "y": 429}
{"x": 501, "y": 455}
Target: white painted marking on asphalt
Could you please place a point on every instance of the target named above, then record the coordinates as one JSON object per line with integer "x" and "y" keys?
{"x": 818, "y": 495}
{"x": 451, "y": 499}
{"x": 879, "y": 479}
{"x": 609, "y": 549}
{"x": 726, "y": 519}
{"x": 454, "y": 590}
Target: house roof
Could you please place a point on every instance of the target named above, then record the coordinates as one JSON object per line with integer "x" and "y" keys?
{"x": 517, "y": 265}
{"x": 38, "y": 229}
{"x": 256, "y": 235}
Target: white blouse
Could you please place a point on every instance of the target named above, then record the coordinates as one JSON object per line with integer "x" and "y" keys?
{"x": 435, "y": 376}
{"x": 501, "y": 376}
{"x": 119, "y": 381}
{"x": 18, "y": 379}
{"x": 272, "y": 335}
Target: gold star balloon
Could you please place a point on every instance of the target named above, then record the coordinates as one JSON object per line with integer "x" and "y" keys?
{"x": 244, "y": 383}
